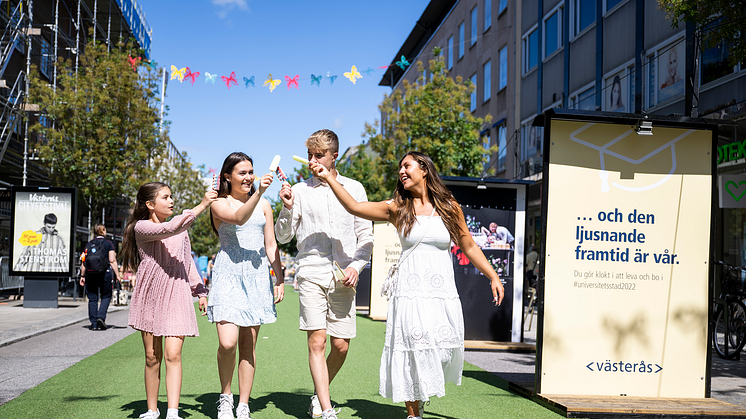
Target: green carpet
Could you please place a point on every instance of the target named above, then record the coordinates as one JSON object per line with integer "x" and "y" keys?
{"x": 110, "y": 384}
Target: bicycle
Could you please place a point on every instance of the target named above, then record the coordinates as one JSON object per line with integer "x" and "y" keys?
{"x": 729, "y": 331}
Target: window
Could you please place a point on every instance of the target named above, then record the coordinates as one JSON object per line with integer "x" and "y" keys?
{"x": 530, "y": 49}
{"x": 487, "y": 14}
{"x": 450, "y": 53}
{"x": 474, "y": 25}
{"x": 502, "y": 152}
{"x": 585, "y": 100}
{"x": 487, "y": 81}
{"x": 45, "y": 64}
{"x": 553, "y": 31}
{"x": 503, "y": 68}
{"x": 664, "y": 73}
{"x": 502, "y": 7}
{"x": 619, "y": 90}
{"x": 610, "y": 4}
{"x": 473, "y": 105}
{"x": 583, "y": 14}
{"x": 716, "y": 60}
{"x": 461, "y": 39}
{"x": 531, "y": 149}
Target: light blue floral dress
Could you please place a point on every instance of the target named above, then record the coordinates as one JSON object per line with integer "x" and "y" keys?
{"x": 241, "y": 290}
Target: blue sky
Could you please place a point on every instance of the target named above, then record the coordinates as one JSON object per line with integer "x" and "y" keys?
{"x": 256, "y": 38}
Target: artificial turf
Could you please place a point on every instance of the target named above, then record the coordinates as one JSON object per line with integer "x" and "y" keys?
{"x": 110, "y": 384}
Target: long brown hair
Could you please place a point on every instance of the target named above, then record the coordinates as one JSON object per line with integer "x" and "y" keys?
{"x": 130, "y": 254}
{"x": 225, "y": 187}
{"x": 437, "y": 193}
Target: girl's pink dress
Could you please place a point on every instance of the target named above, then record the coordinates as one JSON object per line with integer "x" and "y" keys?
{"x": 166, "y": 279}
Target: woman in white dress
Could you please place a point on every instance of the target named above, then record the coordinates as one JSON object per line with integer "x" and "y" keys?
{"x": 424, "y": 345}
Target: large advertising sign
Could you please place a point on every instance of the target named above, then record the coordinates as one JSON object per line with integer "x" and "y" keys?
{"x": 627, "y": 262}
{"x": 42, "y": 223}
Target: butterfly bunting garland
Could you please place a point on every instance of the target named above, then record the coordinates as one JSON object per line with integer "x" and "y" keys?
{"x": 231, "y": 80}
{"x": 292, "y": 81}
{"x": 185, "y": 73}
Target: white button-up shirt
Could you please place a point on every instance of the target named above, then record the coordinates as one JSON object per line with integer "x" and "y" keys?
{"x": 326, "y": 232}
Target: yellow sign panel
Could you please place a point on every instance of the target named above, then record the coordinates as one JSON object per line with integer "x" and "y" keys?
{"x": 627, "y": 254}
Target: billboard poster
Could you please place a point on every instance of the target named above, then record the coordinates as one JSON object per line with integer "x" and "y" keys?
{"x": 671, "y": 72}
{"x": 42, "y": 223}
{"x": 626, "y": 261}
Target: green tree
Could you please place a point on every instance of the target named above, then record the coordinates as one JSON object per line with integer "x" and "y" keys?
{"x": 720, "y": 21}
{"x": 432, "y": 117}
{"x": 101, "y": 131}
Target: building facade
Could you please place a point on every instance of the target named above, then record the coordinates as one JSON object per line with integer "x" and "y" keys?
{"x": 527, "y": 56}
{"x": 41, "y": 33}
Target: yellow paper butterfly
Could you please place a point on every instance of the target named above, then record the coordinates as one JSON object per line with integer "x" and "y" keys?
{"x": 176, "y": 73}
{"x": 272, "y": 83}
{"x": 353, "y": 74}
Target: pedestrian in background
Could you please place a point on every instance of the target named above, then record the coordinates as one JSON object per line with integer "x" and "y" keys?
{"x": 242, "y": 297}
{"x": 96, "y": 273}
{"x": 159, "y": 251}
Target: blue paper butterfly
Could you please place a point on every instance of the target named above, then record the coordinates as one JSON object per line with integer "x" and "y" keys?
{"x": 316, "y": 80}
{"x": 403, "y": 63}
{"x": 368, "y": 71}
{"x": 331, "y": 78}
{"x": 249, "y": 82}
{"x": 210, "y": 77}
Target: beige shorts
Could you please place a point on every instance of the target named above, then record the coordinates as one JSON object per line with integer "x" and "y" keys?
{"x": 332, "y": 308}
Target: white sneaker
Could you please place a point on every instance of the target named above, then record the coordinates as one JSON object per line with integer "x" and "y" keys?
{"x": 151, "y": 414}
{"x": 330, "y": 414}
{"x": 315, "y": 408}
{"x": 243, "y": 412}
{"x": 225, "y": 406}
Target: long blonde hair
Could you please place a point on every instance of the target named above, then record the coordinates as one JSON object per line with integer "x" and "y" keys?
{"x": 437, "y": 193}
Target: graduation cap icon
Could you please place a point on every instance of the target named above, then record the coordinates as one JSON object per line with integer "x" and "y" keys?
{"x": 606, "y": 156}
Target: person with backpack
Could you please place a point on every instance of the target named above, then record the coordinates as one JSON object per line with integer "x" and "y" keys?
{"x": 96, "y": 272}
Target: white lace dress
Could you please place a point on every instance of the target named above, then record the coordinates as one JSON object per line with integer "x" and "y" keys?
{"x": 424, "y": 345}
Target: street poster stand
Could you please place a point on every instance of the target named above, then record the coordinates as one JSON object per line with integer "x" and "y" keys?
{"x": 42, "y": 224}
{"x": 495, "y": 214}
{"x": 625, "y": 287}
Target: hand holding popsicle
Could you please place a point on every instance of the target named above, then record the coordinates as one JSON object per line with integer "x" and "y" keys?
{"x": 319, "y": 170}
{"x": 264, "y": 182}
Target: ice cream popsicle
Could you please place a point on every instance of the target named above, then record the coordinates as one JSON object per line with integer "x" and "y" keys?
{"x": 215, "y": 181}
{"x": 275, "y": 167}
{"x": 300, "y": 159}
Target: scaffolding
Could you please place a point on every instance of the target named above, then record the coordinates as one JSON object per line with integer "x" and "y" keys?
{"x": 42, "y": 31}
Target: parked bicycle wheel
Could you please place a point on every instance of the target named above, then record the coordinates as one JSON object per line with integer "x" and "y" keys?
{"x": 736, "y": 330}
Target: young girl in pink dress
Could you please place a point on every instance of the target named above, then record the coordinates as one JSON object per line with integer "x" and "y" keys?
{"x": 161, "y": 306}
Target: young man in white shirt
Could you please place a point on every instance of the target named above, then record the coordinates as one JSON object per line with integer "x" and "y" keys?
{"x": 326, "y": 234}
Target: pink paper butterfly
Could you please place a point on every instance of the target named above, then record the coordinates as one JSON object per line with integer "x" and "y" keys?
{"x": 230, "y": 80}
{"x": 292, "y": 81}
{"x": 191, "y": 76}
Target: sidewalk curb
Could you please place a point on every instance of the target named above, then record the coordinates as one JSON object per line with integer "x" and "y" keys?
{"x": 22, "y": 333}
